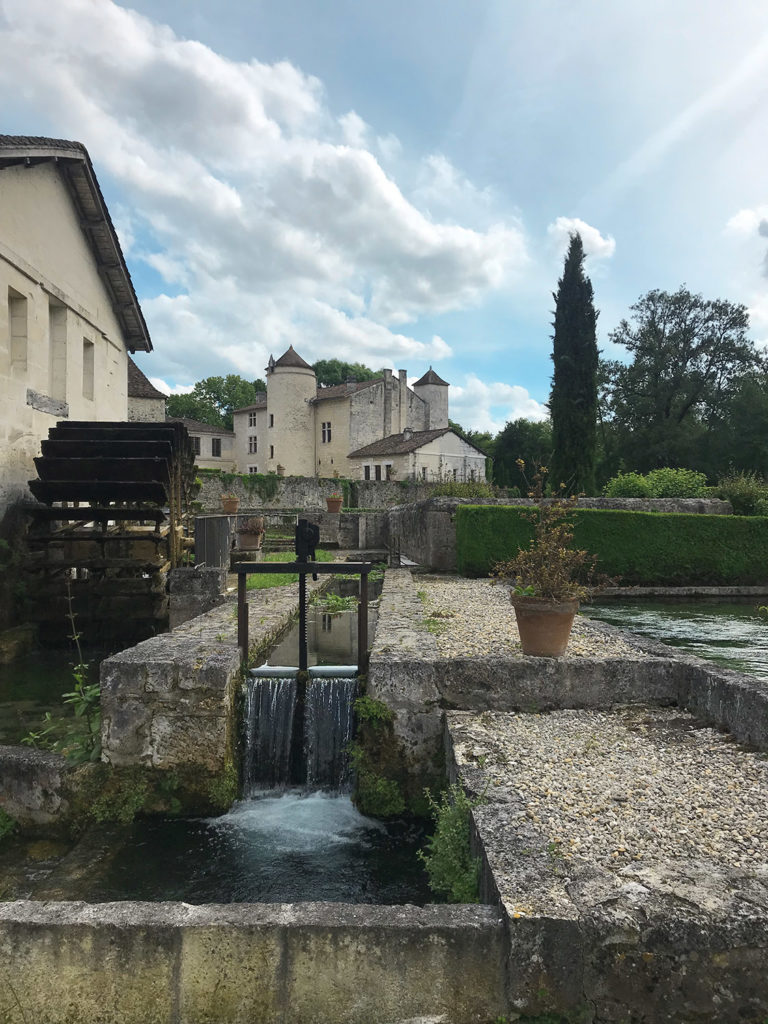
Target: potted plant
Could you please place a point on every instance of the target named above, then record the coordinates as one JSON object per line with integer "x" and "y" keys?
{"x": 250, "y": 532}
{"x": 230, "y": 503}
{"x": 548, "y": 577}
{"x": 333, "y": 501}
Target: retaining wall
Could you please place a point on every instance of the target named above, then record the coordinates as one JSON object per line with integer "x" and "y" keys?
{"x": 301, "y": 492}
{"x": 425, "y": 531}
{"x": 142, "y": 963}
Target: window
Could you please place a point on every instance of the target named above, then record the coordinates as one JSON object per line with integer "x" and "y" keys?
{"x": 251, "y": 419}
{"x": 253, "y": 469}
{"x": 326, "y": 433}
{"x": 271, "y": 419}
{"x": 327, "y": 622}
{"x": 377, "y": 472}
{"x": 57, "y": 353}
{"x": 216, "y": 447}
{"x": 89, "y": 350}
{"x": 271, "y": 451}
{"x": 472, "y": 474}
{"x": 388, "y": 468}
{"x": 253, "y": 445}
{"x": 423, "y": 472}
{"x": 366, "y": 472}
{"x": 455, "y": 472}
{"x": 195, "y": 445}
{"x": 17, "y": 317}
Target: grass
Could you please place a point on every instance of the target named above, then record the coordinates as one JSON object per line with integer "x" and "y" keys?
{"x": 262, "y": 581}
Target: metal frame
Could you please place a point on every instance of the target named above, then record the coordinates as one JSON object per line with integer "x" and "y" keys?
{"x": 244, "y": 569}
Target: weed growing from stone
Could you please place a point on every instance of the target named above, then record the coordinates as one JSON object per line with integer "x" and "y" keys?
{"x": 454, "y": 873}
{"x": 7, "y": 825}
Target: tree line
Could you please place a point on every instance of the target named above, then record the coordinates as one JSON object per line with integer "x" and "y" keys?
{"x": 692, "y": 392}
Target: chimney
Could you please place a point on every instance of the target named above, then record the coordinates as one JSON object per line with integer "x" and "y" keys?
{"x": 350, "y": 386}
{"x": 402, "y": 377}
{"x": 387, "y": 425}
{"x": 408, "y": 434}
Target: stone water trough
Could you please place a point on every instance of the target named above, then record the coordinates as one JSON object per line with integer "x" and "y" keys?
{"x": 621, "y": 827}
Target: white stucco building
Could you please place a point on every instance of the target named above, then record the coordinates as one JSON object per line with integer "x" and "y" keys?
{"x": 69, "y": 315}
{"x": 371, "y": 429}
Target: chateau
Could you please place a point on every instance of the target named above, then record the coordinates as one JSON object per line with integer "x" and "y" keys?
{"x": 370, "y": 430}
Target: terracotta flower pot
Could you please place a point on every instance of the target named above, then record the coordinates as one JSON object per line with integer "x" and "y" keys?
{"x": 544, "y": 627}
{"x": 252, "y": 541}
{"x": 229, "y": 506}
{"x": 334, "y": 504}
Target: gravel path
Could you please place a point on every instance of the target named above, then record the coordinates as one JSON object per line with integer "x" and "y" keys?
{"x": 475, "y": 617}
{"x": 632, "y": 785}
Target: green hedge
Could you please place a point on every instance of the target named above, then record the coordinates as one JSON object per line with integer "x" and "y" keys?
{"x": 642, "y": 548}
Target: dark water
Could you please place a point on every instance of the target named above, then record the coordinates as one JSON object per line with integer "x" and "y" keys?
{"x": 734, "y": 635}
{"x": 290, "y": 848}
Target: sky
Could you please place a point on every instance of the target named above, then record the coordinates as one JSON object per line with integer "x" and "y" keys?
{"x": 395, "y": 184}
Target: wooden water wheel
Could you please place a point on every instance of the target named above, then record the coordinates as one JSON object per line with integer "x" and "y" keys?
{"x": 115, "y": 504}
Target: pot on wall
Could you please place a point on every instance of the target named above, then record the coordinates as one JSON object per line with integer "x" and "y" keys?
{"x": 544, "y": 626}
{"x": 334, "y": 504}
{"x": 229, "y": 504}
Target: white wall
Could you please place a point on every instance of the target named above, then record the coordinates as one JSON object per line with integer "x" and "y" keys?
{"x": 45, "y": 258}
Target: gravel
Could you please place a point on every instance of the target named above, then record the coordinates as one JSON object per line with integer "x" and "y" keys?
{"x": 635, "y": 784}
{"x": 475, "y": 618}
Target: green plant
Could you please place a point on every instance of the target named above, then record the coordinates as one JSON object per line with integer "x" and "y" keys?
{"x": 375, "y": 795}
{"x": 222, "y": 790}
{"x": 666, "y": 482}
{"x": 627, "y": 485}
{"x": 550, "y": 567}
{"x": 747, "y": 493}
{"x": 335, "y": 604}
{"x": 640, "y": 548}
{"x": 263, "y": 581}
{"x": 253, "y": 524}
{"x": 463, "y": 489}
{"x": 375, "y": 712}
{"x": 8, "y": 825}
{"x": 453, "y": 872}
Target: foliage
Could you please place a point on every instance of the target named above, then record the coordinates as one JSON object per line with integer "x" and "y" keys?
{"x": 747, "y": 493}
{"x": 335, "y": 604}
{"x": 8, "y": 825}
{"x": 549, "y": 566}
{"x": 689, "y": 357}
{"x": 78, "y": 738}
{"x": 453, "y": 872}
{"x": 375, "y": 795}
{"x": 123, "y": 795}
{"x": 253, "y": 524}
{"x": 642, "y": 548}
{"x": 330, "y": 372}
{"x": 520, "y": 439}
{"x": 463, "y": 489}
{"x": 627, "y": 485}
{"x": 214, "y": 399}
{"x": 573, "y": 400}
{"x": 265, "y": 580}
{"x": 222, "y": 790}
{"x": 659, "y": 483}
{"x": 373, "y": 711}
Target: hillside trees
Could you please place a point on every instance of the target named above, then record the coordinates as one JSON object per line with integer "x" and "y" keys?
{"x": 573, "y": 399}
{"x": 336, "y": 371}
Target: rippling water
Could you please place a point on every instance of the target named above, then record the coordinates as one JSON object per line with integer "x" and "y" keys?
{"x": 735, "y": 635}
{"x": 289, "y": 848}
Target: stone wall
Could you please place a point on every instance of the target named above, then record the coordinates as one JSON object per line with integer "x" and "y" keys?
{"x": 301, "y": 492}
{"x": 425, "y": 530}
{"x": 32, "y": 786}
{"x": 193, "y": 591}
{"x": 143, "y": 963}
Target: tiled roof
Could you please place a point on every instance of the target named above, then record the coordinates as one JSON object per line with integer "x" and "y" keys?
{"x": 342, "y": 390}
{"x": 196, "y": 427}
{"x": 76, "y": 170}
{"x": 260, "y": 403}
{"x": 139, "y": 386}
{"x": 399, "y": 444}
{"x": 292, "y": 358}
{"x": 430, "y": 377}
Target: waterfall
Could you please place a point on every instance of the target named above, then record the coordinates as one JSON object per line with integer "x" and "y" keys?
{"x": 328, "y": 723}
{"x": 298, "y": 733}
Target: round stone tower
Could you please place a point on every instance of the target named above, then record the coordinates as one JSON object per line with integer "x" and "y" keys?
{"x": 434, "y": 391}
{"x": 291, "y": 385}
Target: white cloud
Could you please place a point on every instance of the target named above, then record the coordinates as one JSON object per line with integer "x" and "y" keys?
{"x": 595, "y": 245}
{"x": 243, "y": 195}
{"x": 480, "y": 406}
{"x": 177, "y": 389}
{"x": 747, "y": 222}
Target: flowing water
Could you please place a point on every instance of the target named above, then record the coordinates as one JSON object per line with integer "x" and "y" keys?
{"x": 734, "y": 635}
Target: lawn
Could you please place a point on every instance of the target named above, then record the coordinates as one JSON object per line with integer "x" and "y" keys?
{"x": 260, "y": 581}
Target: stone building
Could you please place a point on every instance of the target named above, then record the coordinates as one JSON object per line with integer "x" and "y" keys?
{"x": 69, "y": 315}
{"x": 145, "y": 403}
{"x": 300, "y": 429}
{"x": 214, "y": 447}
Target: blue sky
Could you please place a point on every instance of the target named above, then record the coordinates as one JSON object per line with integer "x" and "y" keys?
{"x": 395, "y": 183}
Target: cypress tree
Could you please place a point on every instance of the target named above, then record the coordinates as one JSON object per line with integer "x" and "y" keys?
{"x": 573, "y": 399}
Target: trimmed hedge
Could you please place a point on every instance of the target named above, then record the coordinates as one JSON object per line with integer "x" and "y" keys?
{"x": 640, "y": 548}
